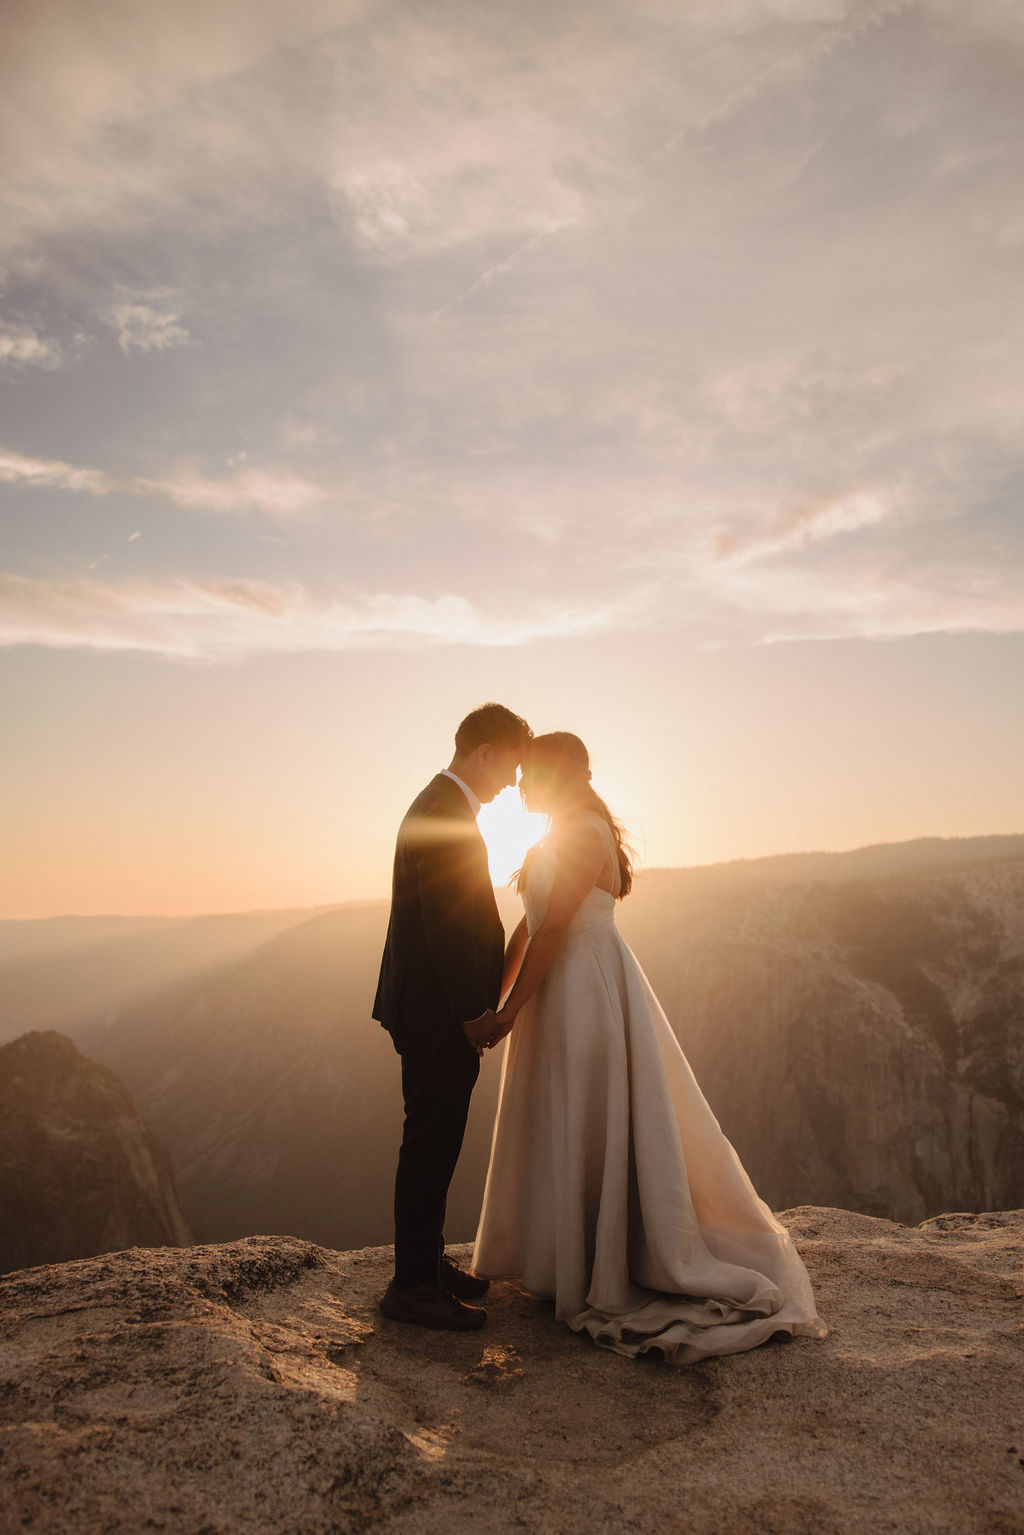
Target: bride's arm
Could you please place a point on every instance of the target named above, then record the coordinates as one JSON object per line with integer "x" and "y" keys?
{"x": 581, "y": 858}
{"x": 514, "y": 956}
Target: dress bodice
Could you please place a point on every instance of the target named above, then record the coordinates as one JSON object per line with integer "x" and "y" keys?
{"x": 597, "y": 906}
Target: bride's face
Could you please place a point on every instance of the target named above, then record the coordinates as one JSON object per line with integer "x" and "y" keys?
{"x": 537, "y": 786}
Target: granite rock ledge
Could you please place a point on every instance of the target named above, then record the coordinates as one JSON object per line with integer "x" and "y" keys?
{"x": 253, "y": 1387}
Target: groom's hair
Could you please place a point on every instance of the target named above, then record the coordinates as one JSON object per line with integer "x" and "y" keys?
{"x": 494, "y": 725}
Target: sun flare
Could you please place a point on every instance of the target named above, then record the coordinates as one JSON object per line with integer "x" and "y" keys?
{"x": 509, "y": 832}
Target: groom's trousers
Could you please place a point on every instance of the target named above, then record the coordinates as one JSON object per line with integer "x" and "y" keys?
{"x": 438, "y": 1077}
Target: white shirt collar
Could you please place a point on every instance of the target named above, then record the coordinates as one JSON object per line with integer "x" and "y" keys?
{"x": 474, "y": 803}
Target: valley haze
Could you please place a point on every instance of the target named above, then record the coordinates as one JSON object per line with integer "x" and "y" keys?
{"x": 855, "y": 1020}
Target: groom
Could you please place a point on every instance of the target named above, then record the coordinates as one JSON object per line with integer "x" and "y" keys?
{"x": 441, "y": 971}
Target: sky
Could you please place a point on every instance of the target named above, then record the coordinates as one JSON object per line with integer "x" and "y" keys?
{"x": 654, "y": 368}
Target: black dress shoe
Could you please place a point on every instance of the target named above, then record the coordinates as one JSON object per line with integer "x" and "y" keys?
{"x": 428, "y": 1305}
{"x": 460, "y": 1284}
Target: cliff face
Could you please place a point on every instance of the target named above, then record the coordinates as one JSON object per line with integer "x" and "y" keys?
{"x": 254, "y": 1389}
{"x": 862, "y": 1043}
{"x": 79, "y": 1172}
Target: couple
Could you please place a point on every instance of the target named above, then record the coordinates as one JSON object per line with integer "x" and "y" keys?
{"x": 611, "y": 1187}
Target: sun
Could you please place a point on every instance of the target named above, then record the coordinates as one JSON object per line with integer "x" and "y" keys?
{"x": 509, "y": 832}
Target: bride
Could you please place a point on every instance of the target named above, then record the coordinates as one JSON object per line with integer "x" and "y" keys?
{"x": 611, "y": 1186}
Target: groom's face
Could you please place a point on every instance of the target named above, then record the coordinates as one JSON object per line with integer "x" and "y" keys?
{"x": 500, "y": 765}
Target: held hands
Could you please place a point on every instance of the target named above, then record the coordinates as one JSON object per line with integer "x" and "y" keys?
{"x": 479, "y": 1030}
{"x": 503, "y": 1021}
{"x": 488, "y": 1030}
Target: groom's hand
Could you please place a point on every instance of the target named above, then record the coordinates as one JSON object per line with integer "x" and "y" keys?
{"x": 479, "y": 1031}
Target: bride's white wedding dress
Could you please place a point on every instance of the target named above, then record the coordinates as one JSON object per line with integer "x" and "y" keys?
{"x": 611, "y": 1186}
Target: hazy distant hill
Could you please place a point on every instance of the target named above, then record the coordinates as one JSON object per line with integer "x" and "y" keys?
{"x": 874, "y": 862}
{"x": 51, "y": 935}
{"x": 58, "y": 972}
{"x": 855, "y": 1020}
{"x": 276, "y": 1094}
{"x": 63, "y": 969}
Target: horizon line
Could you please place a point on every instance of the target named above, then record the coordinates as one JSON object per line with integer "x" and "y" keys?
{"x": 322, "y": 907}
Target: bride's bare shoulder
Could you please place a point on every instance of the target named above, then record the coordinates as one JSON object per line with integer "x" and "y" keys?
{"x": 583, "y": 823}
{"x": 587, "y": 823}
{"x": 582, "y": 836}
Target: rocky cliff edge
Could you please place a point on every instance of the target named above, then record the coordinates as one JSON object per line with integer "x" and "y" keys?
{"x": 80, "y": 1173}
{"x": 254, "y": 1387}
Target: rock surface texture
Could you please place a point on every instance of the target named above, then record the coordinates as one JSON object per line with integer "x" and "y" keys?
{"x": 79, "y": 1171}
{"x": 861, "y": 1041}
{"x": 253, "y": 1387}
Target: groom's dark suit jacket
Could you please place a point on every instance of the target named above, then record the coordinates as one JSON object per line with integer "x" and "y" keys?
{"x": 444, "y": 950}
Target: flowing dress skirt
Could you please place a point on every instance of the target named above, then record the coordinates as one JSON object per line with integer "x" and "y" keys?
{"x": 611, "y": 1187}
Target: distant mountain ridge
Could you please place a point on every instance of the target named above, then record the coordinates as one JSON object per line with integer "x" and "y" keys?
{"x": 855, "y": 1020}
{"x": 100, "y": 962}
{"x": 23, "y": 938}
{"x": 875, "y": 861}
{"x": 56, "y": 970}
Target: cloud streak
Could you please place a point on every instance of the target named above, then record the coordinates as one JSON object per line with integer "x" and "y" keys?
{"x": 190, "y": 620}
{"x": 798, "y": 527}
{"x": 148, "y": 322}
{"x": 18, "y": 469}
{"x": 21, "y": 346}
{"x": 245, "y": 489}
{"x": 796, "y": 608}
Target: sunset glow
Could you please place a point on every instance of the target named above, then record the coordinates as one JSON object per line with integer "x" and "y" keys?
{"x": 510, "y": 832}
{"x": 653, "y": 370}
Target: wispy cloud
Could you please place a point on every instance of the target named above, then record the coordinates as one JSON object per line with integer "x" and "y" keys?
{"x": 891, "y": 610}
{"x": 244, "y": 489}
{"x": 21, "y": 346}
{"x": 222, "y": 620}
{"x": 866, "y": 598}
{"x": 149, "y": 321}
{"x": 450, "y": 189}
{"x": 277, "y": 494}
{"x": 18, "y": 469}
{"x": 797, "y": 527}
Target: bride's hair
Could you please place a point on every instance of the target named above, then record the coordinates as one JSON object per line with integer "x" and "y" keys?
{"x": 564, "y": 762}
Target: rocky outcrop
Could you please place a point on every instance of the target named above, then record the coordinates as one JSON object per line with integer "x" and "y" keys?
{"x": 254, "y": 1388}
{"x": 861, "y": 1041}
{"x": 79, "y": 1172}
